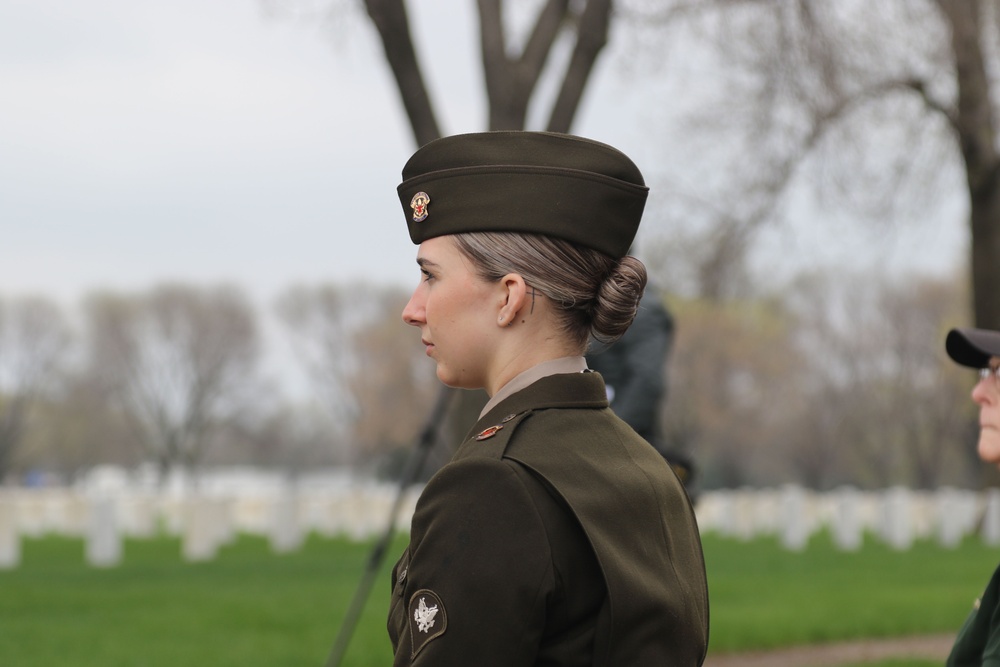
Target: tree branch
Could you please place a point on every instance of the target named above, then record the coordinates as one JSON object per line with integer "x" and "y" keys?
{"x": 592, "y": 36}
{"x": 494, "y": 52}
{"x": 390, "y": 19}
{"x": 539, "y": 44}
{"x": 509, "y": 82}
{"x": 919, "y": 86}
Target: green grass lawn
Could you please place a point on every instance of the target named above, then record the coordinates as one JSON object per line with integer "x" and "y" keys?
{"x": 763, "y": 597}
{"x": 246, "y": 607}
{"x": 250, "y": 607}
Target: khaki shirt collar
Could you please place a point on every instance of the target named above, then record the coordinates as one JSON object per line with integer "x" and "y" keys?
{"x": 535, "y": 373}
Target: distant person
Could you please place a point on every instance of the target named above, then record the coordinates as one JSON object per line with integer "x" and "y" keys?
{"x": 634, "y": 369}
{"x": 556, "y": 535}
{"x": 978, "y": 642}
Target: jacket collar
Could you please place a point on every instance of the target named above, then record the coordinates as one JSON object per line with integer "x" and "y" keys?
{"x": 562, "y": 390}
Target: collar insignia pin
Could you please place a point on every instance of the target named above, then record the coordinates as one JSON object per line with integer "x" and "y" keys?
{"x": 489, "y": 433}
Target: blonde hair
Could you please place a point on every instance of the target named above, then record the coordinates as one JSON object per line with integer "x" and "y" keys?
{"x": 594, "y": 294}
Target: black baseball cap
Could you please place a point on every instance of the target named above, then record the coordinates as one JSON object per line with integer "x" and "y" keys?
{"x": 973, "y": 347}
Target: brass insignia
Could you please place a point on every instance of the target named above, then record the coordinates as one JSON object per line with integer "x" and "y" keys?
{"x": 419, "y": 205}
{"x": 427, "y": 619}
{"x": 490, "y": 432}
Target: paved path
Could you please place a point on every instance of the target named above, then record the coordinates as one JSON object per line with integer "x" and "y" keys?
{"x": 934, "y": 647}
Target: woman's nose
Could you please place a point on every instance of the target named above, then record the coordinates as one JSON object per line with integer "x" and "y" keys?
{"x": 984, "y": 391}
{"x": 413, "y": 313}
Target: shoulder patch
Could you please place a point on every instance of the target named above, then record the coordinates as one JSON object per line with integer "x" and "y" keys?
{"x": 427, "y": 619}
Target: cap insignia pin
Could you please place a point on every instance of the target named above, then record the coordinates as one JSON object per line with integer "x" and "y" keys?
{"x": 419, "y": 205}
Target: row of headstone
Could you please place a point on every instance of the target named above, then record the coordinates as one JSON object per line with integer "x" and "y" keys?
{"x": 896, "y": 516}
{"x": 206, "y": 523}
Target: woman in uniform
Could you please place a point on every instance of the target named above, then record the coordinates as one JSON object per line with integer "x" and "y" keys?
{"x": 556, "y": 535}
{"x": 978, "y": 642}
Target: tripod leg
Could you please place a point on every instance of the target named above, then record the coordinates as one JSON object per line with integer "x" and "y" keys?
{"x": 411, "y": 471}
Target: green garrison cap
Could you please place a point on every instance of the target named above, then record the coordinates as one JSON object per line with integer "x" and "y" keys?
{"x": 531, "y": 182}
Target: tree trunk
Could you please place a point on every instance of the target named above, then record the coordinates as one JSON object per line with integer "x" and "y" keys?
{"x": 11, "y": 432}
{"x": 986, "y": 256}
{"x": 976, "y": 130}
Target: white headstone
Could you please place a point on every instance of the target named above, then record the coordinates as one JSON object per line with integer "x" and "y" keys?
{"x": 104, "y": 543}
{"x": 139, "y": 515}
{"x": 991, "y": 518}
{"x": 947, "y": 516}
{"x": 718, "y": 509}
{"x": 200, "y": 540}
{"x": 845, "y": 520}
{"x": 897, "y": 522}
{"x": 10, "y": 538}
{"x": 794, "y": 519}
{"x": 286, "y": 529}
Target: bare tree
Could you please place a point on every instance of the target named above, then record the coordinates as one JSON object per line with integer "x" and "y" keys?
{"x": 513, "y": 64}
{"x": 319, "y": 321}
{"x": 879, "y": 106}
{"x": 393, "y": 382}
{"x": 179, "y": 361}
{"x": 884, "y": 405}
{"x": 733, "y": 380}
{"x": 363, "y": 362}
{"x": 295, "y": 437}
{"x": 837, "y": 379}
{"x": 34, "y": 336}
{"x": 75, "y": 428}
{"x": 511, "y": 78}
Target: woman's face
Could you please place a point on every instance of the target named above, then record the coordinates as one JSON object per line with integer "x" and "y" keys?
{"x": 987, "y": 394}
{"x": 452, "y": 306}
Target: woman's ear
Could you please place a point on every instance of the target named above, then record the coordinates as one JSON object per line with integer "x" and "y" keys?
{"x": 513, "y": 295}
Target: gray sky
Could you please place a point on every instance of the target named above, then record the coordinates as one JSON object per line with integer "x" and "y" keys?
{"x": 207, "y": 142}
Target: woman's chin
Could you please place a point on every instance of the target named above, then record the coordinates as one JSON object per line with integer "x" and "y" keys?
{"x": 455, "y": 381}
{"x": 989, "y": 446}
{"x": 447, "y": 379}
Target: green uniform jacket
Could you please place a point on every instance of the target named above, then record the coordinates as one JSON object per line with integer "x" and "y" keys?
{"x": 555, "y": 536}
{"x": 978, "y": 642}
